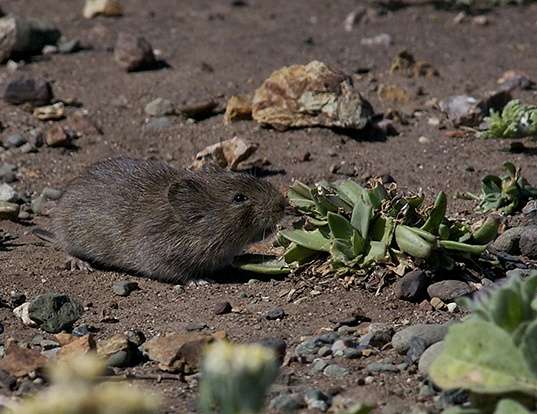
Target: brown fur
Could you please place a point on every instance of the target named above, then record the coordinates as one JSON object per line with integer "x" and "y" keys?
{"x": 151, "y": 219}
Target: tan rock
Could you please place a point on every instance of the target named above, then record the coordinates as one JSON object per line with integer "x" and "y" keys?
{"x": 310, "y": 95}
{"x": 64, "y": 338}
{"x": 19, "y": 362}
{"x": 393, "y": 94}
{"x": 226, "y": 154}
{"x": 176, "y": 351}
{"x": 94, "y": 8}
{"x": 50, "y": 112}
{"x": 80, "y": 124}
{"x": 238, "y": 108}
{"x": 81, "y": 345}
{"x": 57, "y": 136}
{"x": 405, "y": 64}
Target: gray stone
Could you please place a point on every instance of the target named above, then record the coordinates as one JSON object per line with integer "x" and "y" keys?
{"x": 50, "y": 193}
{"x": 14, "y": 141}
{"x": 431, "y": 333}
{"x": 274, "y": 314}
{"x": 306, "y": 351}
{"x": 133, "y": 52}
{"x": 508, "y": 241}
{"x": 124, "y": 287}
{"x": 9, "y": 211}
{"x": 159, "y": 107}
{"x": 352, "y": 353}
{"x": 54, "y": 312}
{"x": 316, "y": 400}
{"x": 37, "y": 92}
{"x": 521, "y": 273}
{"x": 324, "y": 351}
{"x": 379, "y": 334}
{"x": 156, "y": 124}
{"x": 528, "y": 242}
{"x": 447, "y": 290}
{"x": 375, "y": 367}
{"x": 135, "y": 336}
{"x": 81, "y": 330}
{"x": 319, "y": 365}
{"x": 69, "y": 46}
{"x": 8, "y": 193}
{"x": 339, "y": 345}
{"x": 222, "y": 308}
{"x": 22, "y": 36}
{"x": 429, "y": 356}
{"x": 328, "y": 338}
{"x": 462, "y": 110}
{"x": 8, "y": 172}
{"x": 417, "y": 348}
{"x": 335, "y": 371}
{"x": 287, "y": 403}
{"x": 411, "y": 287}
{"x": 27, "y": 148}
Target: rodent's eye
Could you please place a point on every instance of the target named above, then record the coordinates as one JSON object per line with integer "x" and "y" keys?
{"x": 239, "y": 198}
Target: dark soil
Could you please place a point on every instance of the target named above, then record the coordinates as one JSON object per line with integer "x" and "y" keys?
{"x": 215, "y": 49}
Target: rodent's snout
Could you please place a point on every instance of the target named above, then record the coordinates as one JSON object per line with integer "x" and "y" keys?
{"x": 281, "y": 205}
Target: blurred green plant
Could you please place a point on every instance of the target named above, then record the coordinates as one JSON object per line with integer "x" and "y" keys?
{"x": 492, "y": 353}
{"x": 236, "y": 378}
{"x": 506, "y": 194}
{"x": 514, "y": 121}
{"x": 358, "y": 227}
{"x": 76, "y": 389}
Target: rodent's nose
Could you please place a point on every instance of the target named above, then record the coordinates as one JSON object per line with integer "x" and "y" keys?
{"x": 282, "y": 205}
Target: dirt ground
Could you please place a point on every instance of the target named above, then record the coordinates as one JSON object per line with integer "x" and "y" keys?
{"x": 218, "y": 49}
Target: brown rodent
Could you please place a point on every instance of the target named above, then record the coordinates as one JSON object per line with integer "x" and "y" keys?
{"x": 153, "y": 220}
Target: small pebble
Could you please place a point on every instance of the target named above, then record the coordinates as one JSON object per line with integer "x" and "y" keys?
{"x": 335, "y": 371}
{"x": 124, "y": 287}
{"x": 274, "y": 314}
{"x": 222, "y": 308}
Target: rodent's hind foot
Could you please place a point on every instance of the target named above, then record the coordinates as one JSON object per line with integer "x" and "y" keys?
{"x": 74, "y": 263}
{"x": 200, "y": 282}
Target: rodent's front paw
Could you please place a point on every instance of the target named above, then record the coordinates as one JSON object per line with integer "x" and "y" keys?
{"x": 200, "y": 282}
{"x": 74, "y": 263}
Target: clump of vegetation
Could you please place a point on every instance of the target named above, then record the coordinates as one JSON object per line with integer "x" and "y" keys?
{"x": 507, "y": 193}
{"x": 236, "y": 378}
{"x": 514, "y": 121}
{"x": 492, "y": 353}
{"x": 76, "y": 389}
{"x": 359, "y": 227}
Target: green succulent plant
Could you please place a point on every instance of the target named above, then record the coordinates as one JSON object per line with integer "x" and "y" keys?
{"x": 514, "y": 121}
{"x": 492, "y": 352}
{"x": 506, "y": 194}
{"x": 358, "y": 227}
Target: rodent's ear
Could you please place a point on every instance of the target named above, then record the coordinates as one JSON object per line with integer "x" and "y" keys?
{"x": 181, "y": 189}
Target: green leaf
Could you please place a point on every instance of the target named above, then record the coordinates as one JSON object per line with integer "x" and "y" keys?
{"x": 358, "y": 243}
{"x": 260, "y": 263}
{"x": 506, "y": 406}
{"x": 298, "y": 254}
{"x": 339, "y": 226}
{"x": 507, "y": 309}
{"x": 300, "y": 190}
{"x": 461, "y": 410}
{"x": 473, "y": 249}
{"x": 481, "y": 357}
{"x": 352, "y": 190}
{"x": 313, "y": 240}
{"x": 341, "y": 252}
{"x": 377, "y": 195}
{"x": 528, "y": 346}
{"x": 361, "y": 216}
{"x": 437, "y": 214}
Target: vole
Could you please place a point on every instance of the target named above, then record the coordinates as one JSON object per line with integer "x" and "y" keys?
{"x": 153, "y": 220}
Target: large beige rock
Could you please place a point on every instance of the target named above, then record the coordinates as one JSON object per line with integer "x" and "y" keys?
{"x": 310, "y": 95}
